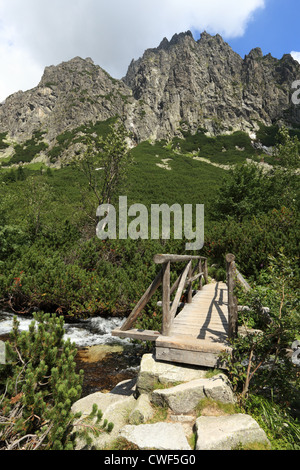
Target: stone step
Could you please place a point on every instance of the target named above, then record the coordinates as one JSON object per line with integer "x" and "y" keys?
{"x": 185, "y": 397}
{"x": 228, "y": 432}
{"x": 158, "y": 436}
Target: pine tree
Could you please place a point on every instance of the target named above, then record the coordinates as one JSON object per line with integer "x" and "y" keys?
{"x": 36, "y": 406}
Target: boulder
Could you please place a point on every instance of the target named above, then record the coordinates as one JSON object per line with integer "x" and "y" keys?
{"x": 158, "y": 436}
{"x": 115, "y": 408}
{"x": 228, "y": 432}
{"x": 142, "y": 410}
{"x": 184, "y": 398}
{"x": 153, "y": 372}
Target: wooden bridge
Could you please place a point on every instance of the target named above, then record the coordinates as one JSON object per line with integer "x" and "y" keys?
{"x": 198, "y": 322}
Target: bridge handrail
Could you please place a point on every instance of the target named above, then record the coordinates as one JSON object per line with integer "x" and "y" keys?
{"x": 185, "y": 279}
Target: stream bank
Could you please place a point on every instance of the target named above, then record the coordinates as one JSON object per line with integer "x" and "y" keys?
{"x": 105, "y": 360}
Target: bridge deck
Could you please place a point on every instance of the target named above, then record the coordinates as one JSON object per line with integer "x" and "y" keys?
{"x": 200, "y": 331}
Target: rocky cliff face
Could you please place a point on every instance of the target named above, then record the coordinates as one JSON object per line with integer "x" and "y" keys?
{"x": 206, "y": 84}
{"x": 181, "y": 84}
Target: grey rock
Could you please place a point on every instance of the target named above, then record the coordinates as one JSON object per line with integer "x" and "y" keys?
{"x": 227, "y": 432}
{"x": 181, "y": 84}
{"x": 153, "y": 372}
{"x": 184, "y": 398}
{"x": 115, "y": 408}
{"x": 158, "y": 436}
{"x": 142, "y": 410}
{"x": 205, "y": 83}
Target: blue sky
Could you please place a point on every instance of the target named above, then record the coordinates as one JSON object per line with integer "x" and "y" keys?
{"x": 38, "y": 33}
{"x": 275, "y": 29}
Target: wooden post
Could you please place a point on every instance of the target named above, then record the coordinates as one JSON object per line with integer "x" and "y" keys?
{"x": 166, "y": 326}
{"x": 205, "y": 271}
{"x": 200, "y": 271}
{"x": 181, "y": 285}
{"x": 190, "y": 285}
{"x": 232, "y": 300}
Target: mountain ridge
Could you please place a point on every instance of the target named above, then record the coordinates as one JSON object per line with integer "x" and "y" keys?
{"x": 182, "y": 84}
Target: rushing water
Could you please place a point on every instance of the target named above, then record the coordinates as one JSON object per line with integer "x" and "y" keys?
{"x": 84, "y": 333}
{"x": 106, "y": 360}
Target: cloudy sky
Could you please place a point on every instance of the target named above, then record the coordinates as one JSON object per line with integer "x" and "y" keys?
{"x": 37, "y": 33}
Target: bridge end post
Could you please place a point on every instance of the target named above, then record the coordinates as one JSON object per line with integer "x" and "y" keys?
{"x": 167, "y": 321}
{"x": 232, "y": 300}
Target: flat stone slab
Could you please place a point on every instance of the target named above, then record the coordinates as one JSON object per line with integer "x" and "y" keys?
{"x": 158, "y": 436}
{"x": 185, "y": 397}
{"x": 154, "y": 372}
{"x": 228, "y": 432}
{"x": 116, "y": 409}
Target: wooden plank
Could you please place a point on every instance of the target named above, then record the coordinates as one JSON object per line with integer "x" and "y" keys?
{"x": 143, "y": 335}
{"x": 167, "y": 318}
{"x": 190, "y": 289}
{"x": 189, "y": 357}
{"x": 196, "y": 327}
{"x": 161, "y": 259}
{"x": 142, "y": 302}
{"x": 242, "y": 280}
{"x": 193, "y": 331}
{"x": 194, "y": 278}
{"x": 191, "y": 344}
{"x": 200, "y": 320}
{"x": 180, "y": 289}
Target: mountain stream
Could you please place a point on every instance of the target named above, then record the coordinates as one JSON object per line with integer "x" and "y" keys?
{"x": 105, "y": 360}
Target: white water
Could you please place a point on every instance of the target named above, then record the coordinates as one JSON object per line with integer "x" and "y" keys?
{"x": 85, "y": 333}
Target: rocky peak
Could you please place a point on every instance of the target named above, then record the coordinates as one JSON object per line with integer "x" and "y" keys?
{"x": 255, "y": 54}
{"x": 176, "y": 39}
{"x": 182, "y": 82}
{"x": 206, "y": 84}
{"x": 68, "y": 95}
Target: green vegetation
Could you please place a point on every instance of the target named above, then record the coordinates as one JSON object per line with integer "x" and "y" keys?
{"x": 30, "y": 149}
{"x": 3, "y": 145}
{"x": 224, "y": 149}
{"x": 214, "y": 407}
{"x": 80, "y": 134}
{"x": 51, "y": 259}
{"x": 40, "y": 390}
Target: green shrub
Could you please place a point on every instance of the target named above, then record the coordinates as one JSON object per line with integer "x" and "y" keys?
{"x": 36, "y": 405}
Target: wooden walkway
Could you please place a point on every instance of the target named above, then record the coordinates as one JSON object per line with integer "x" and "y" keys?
{"x": 198, "y": 330}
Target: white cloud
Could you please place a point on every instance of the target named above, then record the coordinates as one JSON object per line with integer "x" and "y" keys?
{"x": 37, "y": 33}
{"x": 296, "y": 55}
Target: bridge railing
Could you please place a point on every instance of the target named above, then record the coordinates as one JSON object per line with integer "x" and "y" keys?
{"x": 183, "y": 290}
{"x": 185, "y": 280}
